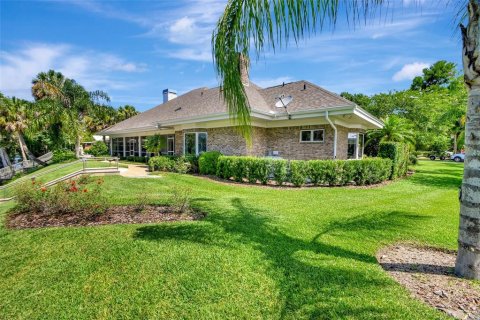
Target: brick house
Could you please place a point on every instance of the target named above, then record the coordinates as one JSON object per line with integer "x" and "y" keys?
{"x": 316, "y": 124}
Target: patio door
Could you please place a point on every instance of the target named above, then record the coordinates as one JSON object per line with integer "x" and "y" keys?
{"x": 171, "y": 145}
{"x": 132, "y": 146}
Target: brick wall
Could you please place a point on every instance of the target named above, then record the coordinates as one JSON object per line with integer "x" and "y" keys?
{"x": 285, "y": 140}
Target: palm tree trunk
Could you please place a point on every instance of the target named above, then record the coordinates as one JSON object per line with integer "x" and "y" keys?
{"x": 21, "y": 143}
{"x": 468, "y": 259}
{"x": 78, "y": 144}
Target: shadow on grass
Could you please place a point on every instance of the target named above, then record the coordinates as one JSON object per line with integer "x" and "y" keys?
{"x": 315, "y": 279}
{"x": 418, "y": 268}
{"x": 449, "y": 178}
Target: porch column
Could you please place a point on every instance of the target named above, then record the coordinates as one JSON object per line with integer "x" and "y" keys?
{"x": 124, "y": 147}
{"x": 111, "y": 146}
{"x": 139, "y": 146}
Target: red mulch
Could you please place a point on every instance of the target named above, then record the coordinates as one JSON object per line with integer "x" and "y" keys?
{"x": 428, "y": 274}
{"x": 114, "y": 215}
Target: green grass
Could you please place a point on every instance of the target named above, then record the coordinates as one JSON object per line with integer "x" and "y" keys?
{"x": 261, "y": 253}
{"x": 55, "y": 171}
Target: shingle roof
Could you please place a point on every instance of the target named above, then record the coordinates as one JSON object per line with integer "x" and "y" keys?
{"x": 204, "y": 102}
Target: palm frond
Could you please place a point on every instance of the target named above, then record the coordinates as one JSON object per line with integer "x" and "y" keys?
{"x": 259, "y": 24}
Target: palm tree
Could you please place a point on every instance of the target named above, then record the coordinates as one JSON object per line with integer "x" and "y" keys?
{"x": 14, "y": 119}
{"x": 70, "y": 101}
{"x": 394, "y": 130}
{"x": 126, "y": 112}
{"x": 257, "y": 23}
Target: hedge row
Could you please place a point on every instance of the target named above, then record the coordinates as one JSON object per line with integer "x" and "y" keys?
{"x": 299, "y": 172}
{"x": 398, "y": 153}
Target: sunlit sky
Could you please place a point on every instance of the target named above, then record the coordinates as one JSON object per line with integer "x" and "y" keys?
{"x": 135, "y": 49}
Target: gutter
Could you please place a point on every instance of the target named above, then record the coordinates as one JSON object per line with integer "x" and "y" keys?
{"x": 334, "y": 135}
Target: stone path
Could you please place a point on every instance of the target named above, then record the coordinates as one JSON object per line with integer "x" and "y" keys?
{"x": 136, "y": 171}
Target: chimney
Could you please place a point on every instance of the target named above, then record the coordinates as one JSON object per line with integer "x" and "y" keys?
{"x": 169, "y": 95}
{"x": 244, "y": 64}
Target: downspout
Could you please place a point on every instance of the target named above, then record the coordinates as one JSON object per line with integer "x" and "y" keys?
{"x": 334, "y": 135}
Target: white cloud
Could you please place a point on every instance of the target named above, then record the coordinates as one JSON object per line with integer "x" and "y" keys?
{"x": 192, "y": 54}
{"x": 270, "y": 82}
{"x": 410, "y": 71}
{"x": 92, "y": 69}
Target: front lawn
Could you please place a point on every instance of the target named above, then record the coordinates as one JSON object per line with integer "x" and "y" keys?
{"x": 260, "y": 253}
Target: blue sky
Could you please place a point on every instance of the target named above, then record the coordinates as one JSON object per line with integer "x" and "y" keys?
{"x": 135, "y": 49}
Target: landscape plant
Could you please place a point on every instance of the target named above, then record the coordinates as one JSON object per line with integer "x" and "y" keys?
{"x": 98, "y": 148}
{"x": 207, "y": 162}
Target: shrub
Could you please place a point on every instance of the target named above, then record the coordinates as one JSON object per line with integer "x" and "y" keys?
{"x": 99, "y": 148}
{"x": 207, "y": 162}
{"x": 280, "y": 172}
{"x": 62, "y": 198}
{"x": 412, "y": 159}
{"x": 317, "y": 171}
{"x": 161, "y": 163}
{"x": 180, "y": 199}
{"x": 62, "y": 155}
{"x": 261, "y": 169}
{"x": 181, "y": 165}
{"x": 193, "y": 163}
{"x": 398, "y": 153}
{"x": 298, "y": 172}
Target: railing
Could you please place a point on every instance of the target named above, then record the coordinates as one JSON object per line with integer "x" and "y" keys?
{"x": 64, "y": 172}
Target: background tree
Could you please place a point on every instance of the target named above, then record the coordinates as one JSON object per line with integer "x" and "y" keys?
{"x": 257, "y": 24}
{"x": 126, "y": 112}
{"x": 440, "y": 73}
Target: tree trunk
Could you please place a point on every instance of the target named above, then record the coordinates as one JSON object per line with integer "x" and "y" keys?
{"x": 21, "y": 143}
{"x": 78, "y": 144}
{"x": 468, "y": 259}
{"x": 26, "y": 151}
{"x": 455, "y": 138}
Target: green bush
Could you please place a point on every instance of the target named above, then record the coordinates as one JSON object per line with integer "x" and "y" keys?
{"x": 62, "y": 155}
{"x": 181, "y": 165}
{"x": 398, "y": 153}
{"x": 280, "y": 171}
{"x": 298, "y": 172}
{"x": 99, "y": 148}
{"x": 207, "y": 162}
{"x": 161, "y": 163}
{"x": 193, "y": 166}
{"x": 412, "y": 159}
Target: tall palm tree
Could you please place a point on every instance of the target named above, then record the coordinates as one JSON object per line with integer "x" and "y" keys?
{"x": 14, "y": 119}
{"x": 126, "y": 112}
{"x": 394, "y": 130}
{"x": 260, "y": 23}
{"x": 70, "y": 102}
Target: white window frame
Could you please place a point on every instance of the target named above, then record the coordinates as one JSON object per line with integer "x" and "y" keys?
{"x": 196, "y": 141}
{"x": 171, "y": 152}
{"x": 311, "y": 136}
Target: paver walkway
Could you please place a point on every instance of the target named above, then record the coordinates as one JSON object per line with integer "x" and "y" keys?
{"x": 136, "y": 171}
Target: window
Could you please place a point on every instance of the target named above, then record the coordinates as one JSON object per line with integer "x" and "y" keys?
{"x": 311, "y": 135}
{"x": 355, "y": 145}
{"x": 195, "y": 143}
{"x": 117, "y": 147}
{"x": 132, "y": 146}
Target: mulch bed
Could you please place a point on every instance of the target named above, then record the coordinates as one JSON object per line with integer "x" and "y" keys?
{"x": 114, "y": 215}
{"x": 428, "y": 274}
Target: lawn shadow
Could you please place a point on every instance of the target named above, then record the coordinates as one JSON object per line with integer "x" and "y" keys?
{"x": 418, "y": 268}
{"x": 310, "y": 275}
{"x": 450, "y": 176}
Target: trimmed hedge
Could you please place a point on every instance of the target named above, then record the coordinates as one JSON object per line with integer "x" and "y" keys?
{"x": 297, "y": 172}
{"x": 207, "y": 162}
{"x": 398, "y": 153}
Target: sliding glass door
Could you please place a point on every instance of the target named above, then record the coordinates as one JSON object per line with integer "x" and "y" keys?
{"x": 195, "y": 143}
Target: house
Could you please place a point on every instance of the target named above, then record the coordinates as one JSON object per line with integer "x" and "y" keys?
{"x": 315, "y": 124}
